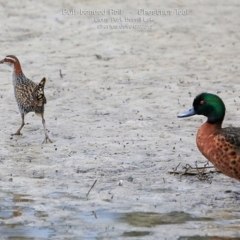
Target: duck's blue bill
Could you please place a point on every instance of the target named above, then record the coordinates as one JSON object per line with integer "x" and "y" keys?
{"x": 189, "y": 113}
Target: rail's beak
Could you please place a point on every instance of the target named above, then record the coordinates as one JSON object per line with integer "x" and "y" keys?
{"x": 2, "y": 61}
{"x": 188, "y": 113}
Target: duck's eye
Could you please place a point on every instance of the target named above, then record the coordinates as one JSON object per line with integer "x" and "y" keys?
{"x": 201, "y": 102}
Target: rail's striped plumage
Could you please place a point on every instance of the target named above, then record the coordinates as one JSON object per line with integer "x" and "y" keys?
{"x": 29, "y": 95}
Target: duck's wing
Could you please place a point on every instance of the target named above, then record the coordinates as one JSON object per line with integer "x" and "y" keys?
{"x": 232, "y": 136}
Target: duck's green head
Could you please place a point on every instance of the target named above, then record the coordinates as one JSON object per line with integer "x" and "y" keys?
{"x": 209, "y": 105}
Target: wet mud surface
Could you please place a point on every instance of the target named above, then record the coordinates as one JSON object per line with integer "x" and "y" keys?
{"x": 112, "y": 100}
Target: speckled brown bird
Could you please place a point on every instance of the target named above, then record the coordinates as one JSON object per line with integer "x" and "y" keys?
{"x": 221, "y": 146}
{"x": 29, "y": 95}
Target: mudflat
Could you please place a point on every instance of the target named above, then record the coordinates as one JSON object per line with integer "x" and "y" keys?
{"x": 117, "y": 74}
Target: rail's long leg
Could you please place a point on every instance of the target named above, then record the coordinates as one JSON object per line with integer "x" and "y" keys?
{"x": 45, "y": 130}
{"x": 18, "y": 131}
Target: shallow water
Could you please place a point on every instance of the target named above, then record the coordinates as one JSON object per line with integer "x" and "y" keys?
{"x": 100, "y": 223}
{"x": 207, "y": 238}
{"x": 23, "y": 232}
